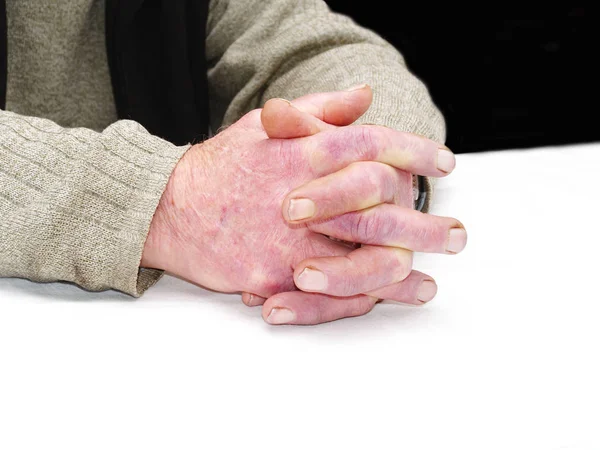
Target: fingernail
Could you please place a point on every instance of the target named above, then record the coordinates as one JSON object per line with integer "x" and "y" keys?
{"x": 312, "y": 280}
{"x": 279, "y": 316}
{"x": 357, "y": 87}
{"x": 457, "y": 240}
{"x": 301, "y": 208}
{"x": 250, "y": 300}
{"x": 446, "y": 161}
{"x": 426, "y": 291}
{"x": 287, "y": 101}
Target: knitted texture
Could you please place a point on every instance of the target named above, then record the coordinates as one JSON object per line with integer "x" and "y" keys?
{"x": 76, "y": 203}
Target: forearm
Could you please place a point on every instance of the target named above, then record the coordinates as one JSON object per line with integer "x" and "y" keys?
{"x": 76, "y": 205}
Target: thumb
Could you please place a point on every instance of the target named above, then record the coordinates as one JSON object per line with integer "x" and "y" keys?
{"x": 309, "y": 115}
{"x": 313, "y": 113}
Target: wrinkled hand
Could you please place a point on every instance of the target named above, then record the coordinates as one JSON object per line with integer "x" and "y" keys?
{"x": 220, "y": 224}
{"x": 312, "y": 114}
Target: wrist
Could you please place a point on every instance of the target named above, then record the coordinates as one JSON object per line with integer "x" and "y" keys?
{"x": 161, "y": 241}
{"x": 155, "y": 253}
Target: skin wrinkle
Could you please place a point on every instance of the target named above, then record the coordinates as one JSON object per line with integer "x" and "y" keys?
{"x": 397, "y": 228}
{"x": 360, "y": 138}
{"x": 352, "y": 283}
{"x": 426, "y": 234}
{"x": 335, "y": 149}
{"x": 292, "y": 159}
{"x": 366, "y": 225}
{"x": 368, "y": 142}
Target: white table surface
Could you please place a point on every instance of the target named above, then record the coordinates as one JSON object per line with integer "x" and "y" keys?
{"x": 506, "y": 357}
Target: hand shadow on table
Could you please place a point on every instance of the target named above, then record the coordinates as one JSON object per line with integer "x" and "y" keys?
{"x": 383, "y": 320}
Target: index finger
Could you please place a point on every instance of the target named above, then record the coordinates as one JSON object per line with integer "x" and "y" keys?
{"x": 330, "y": 151}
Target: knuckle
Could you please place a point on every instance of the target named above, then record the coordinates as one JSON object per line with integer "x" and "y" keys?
{"x": 319, "y": 313}
{"x": 365, "y": 227}
{"x": 351, "y": 286}
{"x": 269, "y": 286}
{"x": 361, "y": 306}
{"x": 365, "y": 138}
{"x": 394, "y": 183}
{"x": 251, "y": 118}
{"x": 375, "y": 226}
{"x": 403, "y": 264}
{"x": 289, "y": 157}
{"x": 427, "y": 233}
{"x": 414, "y": 142}
{"x": 397, "y": 265}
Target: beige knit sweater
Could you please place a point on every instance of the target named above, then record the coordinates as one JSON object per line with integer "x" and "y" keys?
{"x": 78, "y": 189}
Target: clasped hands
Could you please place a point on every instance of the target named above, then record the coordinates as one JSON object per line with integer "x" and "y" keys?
{"x": 307, "y": 215}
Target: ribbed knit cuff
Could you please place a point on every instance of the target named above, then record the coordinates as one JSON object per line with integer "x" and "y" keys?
{"x": 157, "y": 160}
{"x": 76, "y": 205}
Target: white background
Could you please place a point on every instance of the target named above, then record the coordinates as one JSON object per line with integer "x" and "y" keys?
{"x": 506, "y": 357}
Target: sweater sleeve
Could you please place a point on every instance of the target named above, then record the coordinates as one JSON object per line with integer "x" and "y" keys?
{"x": 76, "y": 205}
{"x": 260, "y": 49}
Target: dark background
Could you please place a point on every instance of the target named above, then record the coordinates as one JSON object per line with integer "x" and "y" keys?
{"x": 504, "y": 76}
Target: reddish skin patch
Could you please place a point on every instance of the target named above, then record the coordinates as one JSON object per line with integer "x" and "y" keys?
{"x": 345, "y": 145}
{"x": 365, "y": 227}
{"x": 232, "y": 236}
{"x": 392, "y": 226}
{"x": 223, "y": 215}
